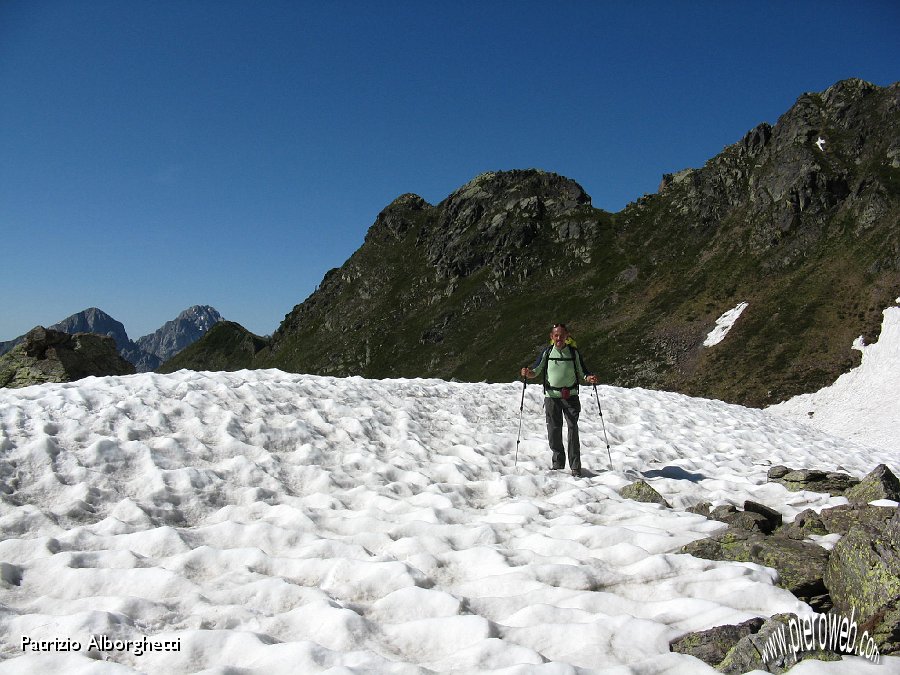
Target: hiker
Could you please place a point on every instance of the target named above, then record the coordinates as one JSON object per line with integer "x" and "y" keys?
{"x": 563, "y": 368}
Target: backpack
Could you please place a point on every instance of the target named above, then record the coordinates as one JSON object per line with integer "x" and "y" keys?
{"x": 575, "y": 357}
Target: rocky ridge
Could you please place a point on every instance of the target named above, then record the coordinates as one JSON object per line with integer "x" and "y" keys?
{"x": 468, "y": 287}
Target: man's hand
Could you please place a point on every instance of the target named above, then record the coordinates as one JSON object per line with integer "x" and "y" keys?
{"x": 527, "y": 372}
{"x": 592, "y": 379}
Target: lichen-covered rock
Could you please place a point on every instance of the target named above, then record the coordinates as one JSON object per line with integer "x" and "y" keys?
{"x": 863, "y": 576}
{"x": 723, "y": 512}
{"x": 755, "y": 517}
{"x": 751, "y": 653}
{"x": 778, "y": 471}
{"x": 53, "y": 356}
{"x": 712, "y": 645}
{"x": 806, "y": 523}
{"x": 833, "y": 482}
{"x": 841, "y": 519}
{"x": 641, "y": 491}
{"x": 880, "y": 483}
{"x": 800, "y": 565}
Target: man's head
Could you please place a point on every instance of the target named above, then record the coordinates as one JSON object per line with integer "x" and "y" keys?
{"x": 559, "y": 334}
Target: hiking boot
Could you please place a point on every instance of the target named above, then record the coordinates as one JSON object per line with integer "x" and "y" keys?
{"x": 576, "y": 473}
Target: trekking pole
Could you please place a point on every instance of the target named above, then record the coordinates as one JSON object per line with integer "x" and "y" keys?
{"x": 521, "y": 408}
{"x": 608, "y": 452}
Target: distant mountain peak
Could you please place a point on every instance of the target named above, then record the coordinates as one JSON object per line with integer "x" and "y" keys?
{"x": 94, "y": 320}
{"x": 148, "y": 352}
{"x": 184, "y": 330}
{"x": 202, "y": 316}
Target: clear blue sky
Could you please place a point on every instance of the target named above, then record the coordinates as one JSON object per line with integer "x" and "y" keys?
{"x": 160, "y": 154}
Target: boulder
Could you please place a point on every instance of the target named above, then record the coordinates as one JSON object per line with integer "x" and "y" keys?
{"x": 832, "y": 482}
{"x": 641, "y": 491}
{"x": 863, "y": 577}
{"x": 723, "y": 512}
{"x": 754, "y": 651}
{"x": 746, "y": 520}
{"x": 773, "y": 519}
{"x": 880, "y": 483}
{"x": 800, "y": 565}
{"x": 712, "y": 645}
{"x": 53, "y": 356}
{"x": 755, "y": 517}
{"x": 701, "y": 509}
{"x": 806, "y": 523}
{"x": 841, "y": 519}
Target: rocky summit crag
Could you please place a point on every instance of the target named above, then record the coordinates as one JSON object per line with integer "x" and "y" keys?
{"x": 799, "y": 219}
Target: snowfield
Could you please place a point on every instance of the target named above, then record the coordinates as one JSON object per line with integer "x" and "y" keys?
{"x": 264, "y": 522}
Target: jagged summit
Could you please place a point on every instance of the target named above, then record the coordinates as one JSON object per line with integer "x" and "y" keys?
{"x": 517, "y": 184}
{"x": 184, "y": 330}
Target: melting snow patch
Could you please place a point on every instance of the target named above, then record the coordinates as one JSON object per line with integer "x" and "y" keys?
{"x": 723, "y": 325}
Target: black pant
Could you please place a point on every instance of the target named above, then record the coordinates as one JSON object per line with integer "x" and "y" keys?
{"x": 555, "y": 409}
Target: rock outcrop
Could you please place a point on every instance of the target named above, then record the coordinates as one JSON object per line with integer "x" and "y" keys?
{"x": 800, "y": 565}
{"x": 53, "y": 356}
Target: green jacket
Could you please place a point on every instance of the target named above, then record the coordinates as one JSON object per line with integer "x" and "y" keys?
{"x": 561, "y": 369}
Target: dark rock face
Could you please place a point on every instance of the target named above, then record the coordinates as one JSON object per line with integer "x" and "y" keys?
{"x": 490, "y": 221}
{"x": 53, "y": 356}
